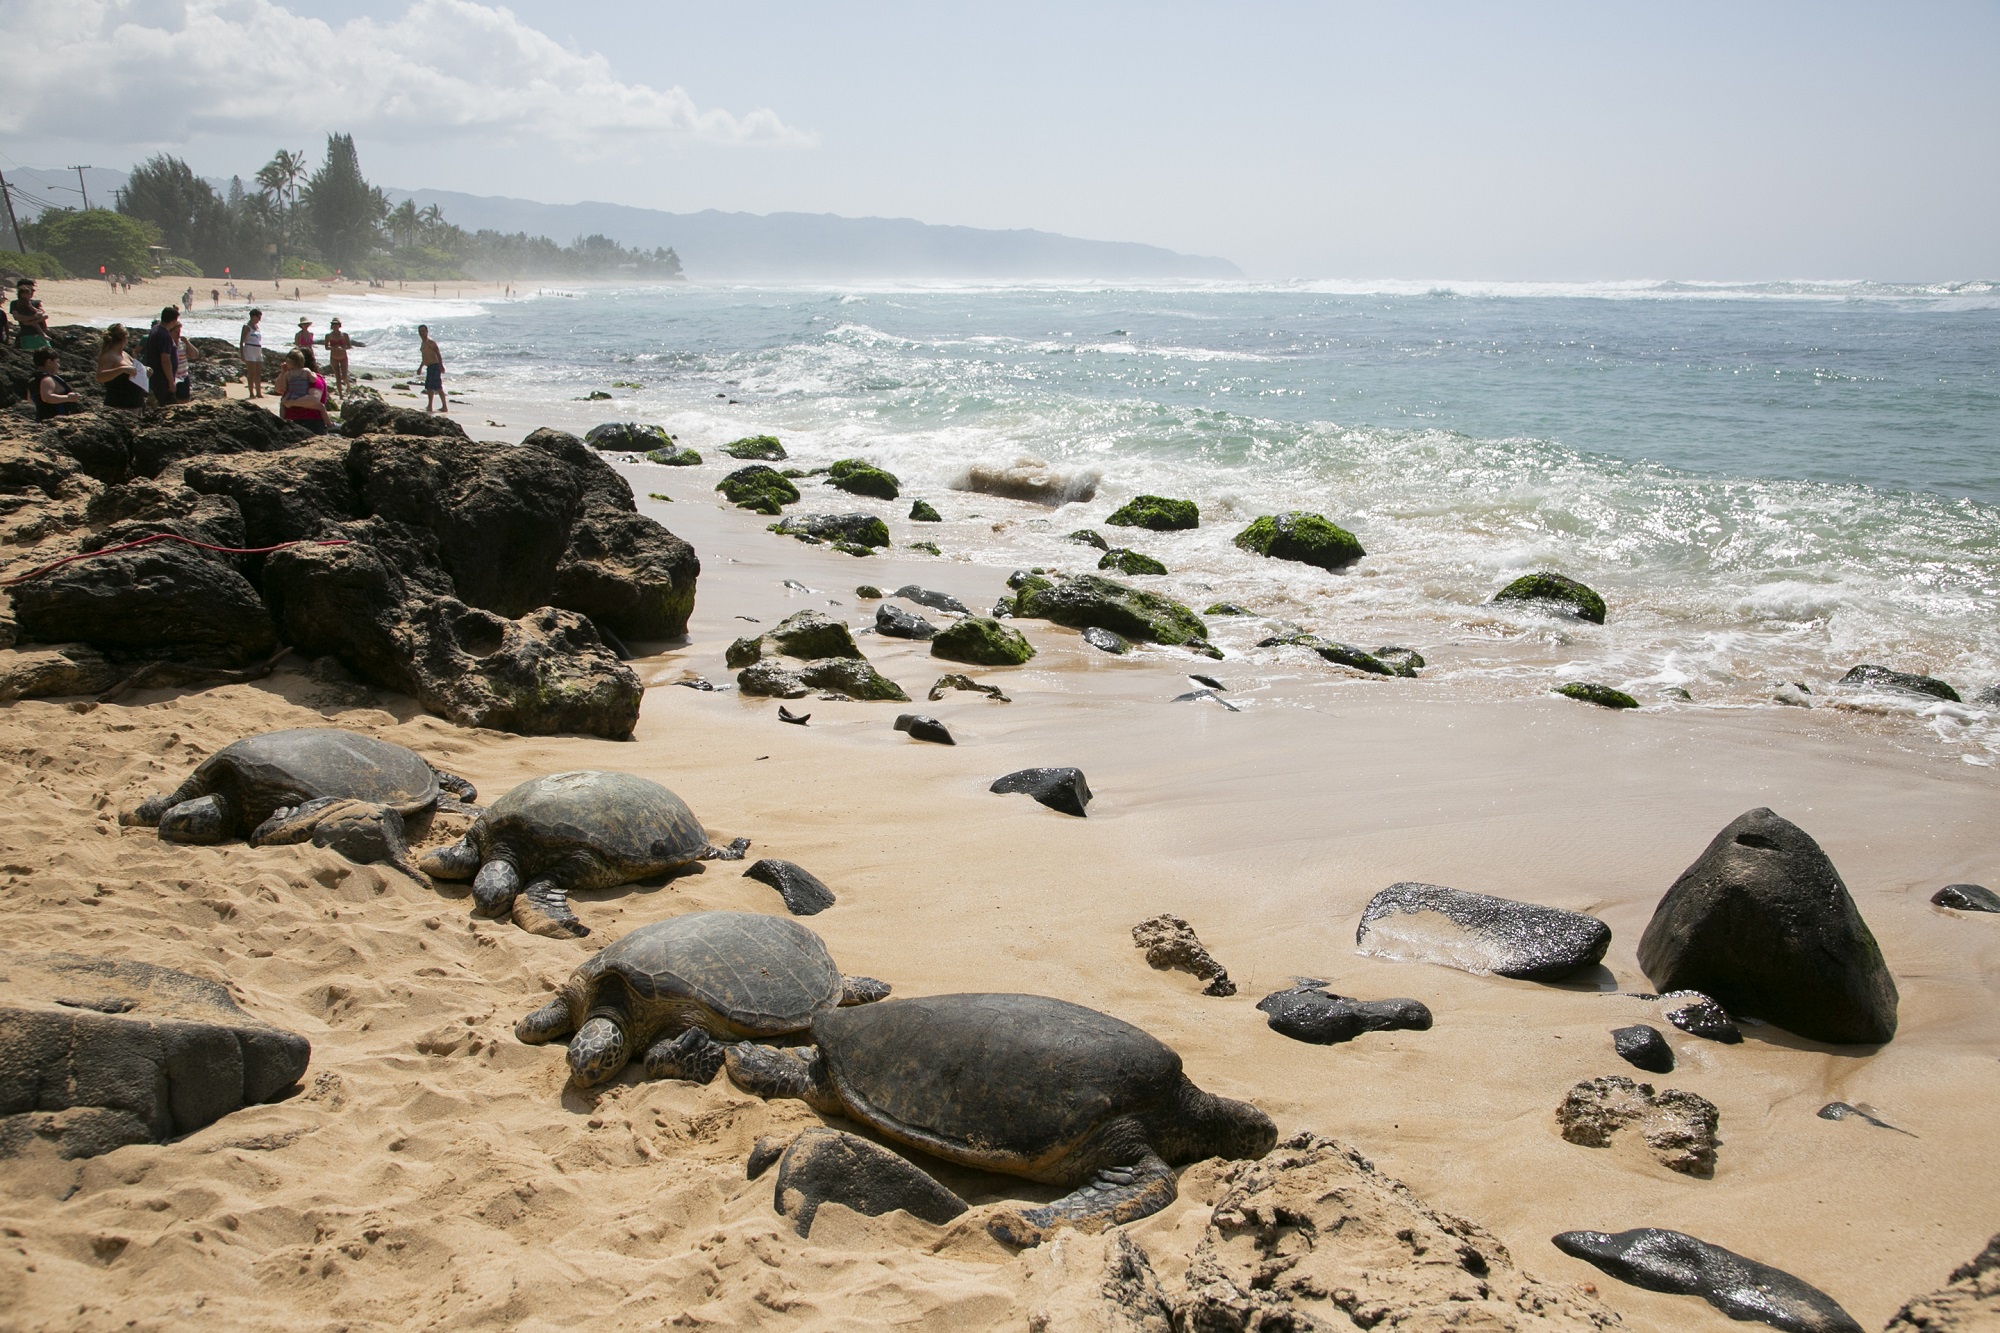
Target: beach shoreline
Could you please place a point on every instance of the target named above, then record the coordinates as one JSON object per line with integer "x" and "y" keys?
{"x": 434, "y": 1165}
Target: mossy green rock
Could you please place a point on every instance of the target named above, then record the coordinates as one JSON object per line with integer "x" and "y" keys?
{"x": 1557, "y": 589}
{"x": 859, "y": 478}
{"x": 858, "y": 529}
{"x": 1601, "y": 695}
{"x": 982, "y": 641}
{"x": 1306, "y": 538}
{"x": 1227, "y": 609}
{"x": 868, "y": 592}
{"x": 851, "y": 548}
{"x": 1156, "y": 512}
{"x": 1340, "y": 654}
{"x": 921, "y": 512}
{"x": 928, "y": 548}
{"x": 625, "y": 436}
{"x": 1090, "y": 599}
{"x": 674, "y": 457}
{"x": 765, "y": 447}
{"x": 804, "y": 634}
{"x": 853, "y": 677}
{"x": 758, "y": 488}
{"x": 1089, "y": 537}
{"x": 1130, "y": 562}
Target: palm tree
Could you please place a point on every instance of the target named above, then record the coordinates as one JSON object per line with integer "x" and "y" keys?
{"x": 280, "y": 178}
{"x": 404, "y": 224}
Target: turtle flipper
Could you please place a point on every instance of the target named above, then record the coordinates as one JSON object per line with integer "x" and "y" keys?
{"x": 547, "y": 1023}
{"x": 459, "y": 860}
{"x": 598, "y": 1052}
{"x": 733, "y": 852}
{"x": 768, "y": 1072}
{"x": 543, "y": 909}
{"x": 693, "y": 1055}
{"x": 148, "y": 812}
{"x": 206, "y": 819}
{"x": 862, "y": 990}
{"x": 455, "y": 786}
{"x": 1115, "y": 1194}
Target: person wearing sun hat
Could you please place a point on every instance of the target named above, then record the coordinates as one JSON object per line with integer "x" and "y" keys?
{"x": 304, "y": 342}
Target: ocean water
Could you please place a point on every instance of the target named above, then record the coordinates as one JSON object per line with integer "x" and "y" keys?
{"x": 1769, "y": 483}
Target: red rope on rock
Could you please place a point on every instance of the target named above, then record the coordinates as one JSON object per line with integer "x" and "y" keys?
{"x": 169, "y": 537}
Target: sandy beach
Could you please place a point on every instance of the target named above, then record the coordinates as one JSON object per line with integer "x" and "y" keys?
{"x": 87, "y": 301}
{"x": 434, "y": 1172}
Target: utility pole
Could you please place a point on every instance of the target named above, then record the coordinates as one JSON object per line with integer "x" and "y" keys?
{"x": 7, "y": 191}
{"x": 80, "y": 186}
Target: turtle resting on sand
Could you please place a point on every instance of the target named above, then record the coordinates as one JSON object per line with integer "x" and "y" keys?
{"x": 362, "y": 796}
{"x": 670, "y": 988}
{"x": 1019, "y": 1084}
{"x": 557, "y": 835}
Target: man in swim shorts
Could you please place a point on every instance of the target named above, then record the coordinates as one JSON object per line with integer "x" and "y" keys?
{"x": 433, "y": 363}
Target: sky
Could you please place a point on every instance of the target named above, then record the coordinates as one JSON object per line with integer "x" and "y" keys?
{"x": 1534, "y": 141}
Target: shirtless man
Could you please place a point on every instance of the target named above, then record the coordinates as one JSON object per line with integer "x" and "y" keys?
{"x": 433, "y": 363}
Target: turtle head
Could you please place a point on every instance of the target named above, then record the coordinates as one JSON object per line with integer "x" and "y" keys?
{"x": 597, "y": 1052}
{"x": 862, "y": 990}
{"x": 206, "y": 819}
{"x": 495, "y": 887}
{"x": 1204, "y": 1125}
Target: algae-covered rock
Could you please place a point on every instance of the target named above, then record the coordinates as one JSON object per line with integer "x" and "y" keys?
{"x": 1157, "y": 513}
{"x": 1904, "y": 682}
{"x": 626, "y": 437}
{"x": 1556, "y": 590}
{"x": 1340, "y": 654}
{"x": 758, "y": 488}
{"x": 1088, "y": 537}
{"x": 1227, "y": 609}
{"x": 1602, "y": 695}
{"x": 1306, "y": 538}
{"x": 855, "y": 529}
{"x": 764, "y": 447}
{"x": 770, "y": 680}
{"x": 928, "y": 548}
{"x": 982, "y": 641}
{"x": 859, "y": 478}
{"x": 850, "y": 548}
{"x": 853, "y": 677}
{"x": 921, "y": 512}
{"x": 1090, "y": 599}
{"x": 673, "y": 457}
{"x": 1130, "y": 562}
{"x": 868, "y": 592}
{"x": 1400, "y": 661}
{"x": 803, "y": 634}
{"x": 1105, "y": 641}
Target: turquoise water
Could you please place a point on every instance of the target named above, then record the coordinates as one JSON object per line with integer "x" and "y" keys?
{"x": 1768, "y": 482}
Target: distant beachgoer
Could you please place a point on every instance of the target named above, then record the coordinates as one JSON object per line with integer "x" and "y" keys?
{"x": 303, "y": 340}
{"x": 49, "y": 391}
{"x": 214, "y": 297}
{"x": 162, "y": 357}
{"x": 433, "y": 364}
{"x": 124, "y": 379}
{"x": 30, "y": 324}
{"x": 337, "y": 343}
{"x": 250, "y": 346}
{"x": 185, "y": 355}
{"x": 302, "y": 394}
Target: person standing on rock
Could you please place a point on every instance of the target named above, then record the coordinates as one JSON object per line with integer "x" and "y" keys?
{"x": 50, "y": 391}
{"x": 337, "y": 343}
{"x": 250, "y": 346}
{"x": 433, "y": 364}
{"x": 162, "y": 353}
{"x": 124, "y": 380}
{"x": 31, "y": 325}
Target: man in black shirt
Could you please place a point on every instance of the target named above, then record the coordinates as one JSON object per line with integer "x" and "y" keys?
{"x": 161, "y": 355}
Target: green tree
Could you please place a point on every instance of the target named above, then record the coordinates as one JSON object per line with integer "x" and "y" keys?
{"x": 279, "y": 179}
{"x": 192, "y": 221}
{"x": 343, "y": 210}
{"x": 89, "y": 238}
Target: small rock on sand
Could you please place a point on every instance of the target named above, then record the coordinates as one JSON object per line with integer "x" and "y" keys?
{"x": 1678, "y": 1126}
{"x": 1170, "y": 944}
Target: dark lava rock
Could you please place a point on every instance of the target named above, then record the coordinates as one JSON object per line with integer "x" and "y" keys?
{"x": 1848, "y": 1111}
{"x": 770, "y": 679}
{"x": 1400, "y": 661}
{"x": 1156, "y": 513}
{"x": 208, "y": 428}
{"x": 982, "y": 641}
{"x": 1088, "y": 537}
{"x": 1307, "y": 538}
{"x": 294, "y": 495}
{"x": 764, "y": 447}
{"x": 626, "y": 437}
{"x": 673, "y": 457}
{"x": 1867, "y": 677}
{"x": 1678, "y": 1126}
{"x": 936, "y": 601}
{"x": 628, "y": 574}
{"x": 828, "y": 1166}
{"x": 1130, "y": 562}
{"x": 762, "y": 489}
{"x": 96, "y": 1053}
{"x": 922, "y": 512}
{"x": 1968, "y": 1303}
{"x": 162, "y": 601}
{"x": 1228, "y": 609}
{"x": 1309, "y": 1012}
{"x": 959, "y": 682}
{"x": 803, "y": 634}
{"x": 372, "y": 416}
{"x": 1171, "y": 945}
{"x": 1680, "y": 1265}
{"x": 1428, "y": 923}
{"x": 1558, "y": 591}
{"x": 1762, "y": 922}
{"x": 1060, "y": 789}
{"x": 1643, "y": 1045}
{"x": 1967, "y": 898}
{"x": 859, "y": 478}
{"x": 71, "y": 668}
{"x": 1088, "y": 600}
{"x": 928, "y": 548}
{"x": 868, "y": 592}
{"x": 802, "y": 890}
{"x": 864, "y": 530}
{"x": 1601, "y": 695}
{"x": 1698, "y": 1016}
{"x": 1099, "y": 637}
{"x": 1340, "y": 654}
{"x": 852, "y": 676}
{"x": 897, "y": 623}
{"x": 922, "y": 728}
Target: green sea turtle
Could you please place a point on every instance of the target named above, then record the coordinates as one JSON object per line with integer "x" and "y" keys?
{"x": 557, "y": 835}
{"x": 363, "y": 796}
{"x": 670, "y": 988}
{"x": 1019, "y": 1084}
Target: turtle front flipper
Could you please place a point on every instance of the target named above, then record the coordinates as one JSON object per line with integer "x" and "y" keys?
{"x": 205, "y": 819}
{"x": 767, "y": 1072}
{"x": 147, "y": 813}
{"x": 543, "y": 909}
{"x": 693, "y": 1055}
{"x": 862, "y": 990}
{"x": 547, "y": 1023}
{"x": 459, "y": 860}
{"x": 1116, "y": 1194}
{"x": 455, "y": 786}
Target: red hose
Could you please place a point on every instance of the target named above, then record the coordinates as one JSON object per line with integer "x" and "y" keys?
{"x": 169, "y": 537}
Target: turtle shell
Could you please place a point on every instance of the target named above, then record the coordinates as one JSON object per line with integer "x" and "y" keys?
{"x": 762, "y": 976}
{"x": 1004, "y": 1082}
{"x": 283, "y": 768}
{"x": 627, "y": 821}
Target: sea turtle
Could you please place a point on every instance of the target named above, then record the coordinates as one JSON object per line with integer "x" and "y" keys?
{"x": 363, "y": 796}
{"x": 669, "y": 988}
{"x": 556, "y": 835}
{"x": 1020, "y": 1084}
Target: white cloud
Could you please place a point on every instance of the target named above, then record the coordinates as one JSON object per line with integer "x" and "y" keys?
{"x": 162, "y": 71}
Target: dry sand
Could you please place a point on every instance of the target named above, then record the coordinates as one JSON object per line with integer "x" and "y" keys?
{"x": 436, "y": 1173}
{"x": 87, "y": 301}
